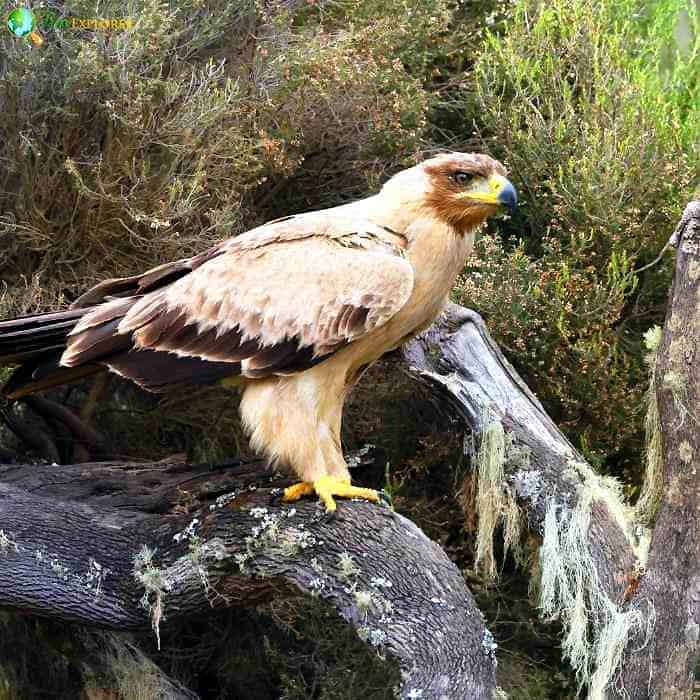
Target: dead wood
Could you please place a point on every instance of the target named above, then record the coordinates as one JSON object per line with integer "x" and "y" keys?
{"x": 113, "y": 544}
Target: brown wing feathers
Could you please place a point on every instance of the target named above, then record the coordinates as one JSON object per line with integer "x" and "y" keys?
{"x": 160, "y": 371}
{"x": 255, "y": 308}
{"x": 22, "y": 337}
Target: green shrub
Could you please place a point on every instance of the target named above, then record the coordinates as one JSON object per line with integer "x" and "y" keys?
{"x": 125, "y": 149}
{"x": 597, "y": 115}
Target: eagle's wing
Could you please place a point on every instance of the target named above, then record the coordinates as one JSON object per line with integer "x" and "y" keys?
{"x": 276, "y": 301}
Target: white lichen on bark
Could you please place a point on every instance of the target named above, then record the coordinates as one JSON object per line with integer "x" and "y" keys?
{"x": 156, "y": 583}
{"x": 495, "y": 498}
{"x": 596, "y": 628}
{"x": 650, "y": 498}
{"x": 7, "y": 543}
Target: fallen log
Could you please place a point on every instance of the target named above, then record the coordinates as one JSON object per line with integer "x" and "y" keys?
{"x": 109, "y": 545}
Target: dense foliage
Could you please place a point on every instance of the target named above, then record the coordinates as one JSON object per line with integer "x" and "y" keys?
{"x": 124, "y": 149}
{"x": 596, "y": 109}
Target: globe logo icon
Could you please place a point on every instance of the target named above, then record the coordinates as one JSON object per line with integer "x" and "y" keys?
{"x": 21, "y": 22}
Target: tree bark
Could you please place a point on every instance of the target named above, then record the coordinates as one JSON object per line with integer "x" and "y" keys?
{"x": 458, "y": 358}
{"x": 72, "y": 548}
{"x": 666, "y": 668}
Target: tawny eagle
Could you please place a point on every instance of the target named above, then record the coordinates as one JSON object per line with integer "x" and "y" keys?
{"x": 291, "y": 311}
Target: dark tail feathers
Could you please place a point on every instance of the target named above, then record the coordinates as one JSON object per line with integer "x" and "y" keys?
{"x": 35, "y": 343}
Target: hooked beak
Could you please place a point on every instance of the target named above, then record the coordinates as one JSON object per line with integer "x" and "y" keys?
{"x": 500, "y": 191}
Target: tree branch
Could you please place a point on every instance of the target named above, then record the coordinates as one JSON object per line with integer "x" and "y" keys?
{"x": 73, "y": 548}
{"x": 458, "y": 358}
{"x": 672, "y": 581}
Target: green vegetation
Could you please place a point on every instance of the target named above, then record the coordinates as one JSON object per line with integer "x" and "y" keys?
{"x": 287, "y": 650}
{"x": 122, "y": 150}
{"x": 595, "y": 107}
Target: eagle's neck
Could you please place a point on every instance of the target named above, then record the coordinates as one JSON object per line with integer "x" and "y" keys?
{"x": 438, "y": 253}
{"x": 436, "y": 248}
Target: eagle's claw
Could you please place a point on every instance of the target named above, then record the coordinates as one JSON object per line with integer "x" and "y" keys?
{"x": 276, "y": 496}
{"x": 328, "y": 487}
{"x": 329, "y": 517}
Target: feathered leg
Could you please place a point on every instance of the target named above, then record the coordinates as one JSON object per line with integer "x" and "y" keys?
{"x": 295, "y": 420}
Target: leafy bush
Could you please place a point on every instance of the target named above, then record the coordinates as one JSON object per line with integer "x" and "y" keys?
{"x": 122, "y": 150}
{"x": 595, "y": 108}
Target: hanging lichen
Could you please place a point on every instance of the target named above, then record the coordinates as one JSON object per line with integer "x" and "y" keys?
{"x": 495, "y": 498}
{"x": 596, "y": 629}
{"x": 653, "y": 477}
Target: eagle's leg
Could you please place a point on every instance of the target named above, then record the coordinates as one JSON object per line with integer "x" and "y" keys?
{"x": 326, "y": 474}
{"x": 296, "y": 421}
{"x": 297, "y": 491}
{"x": 328, "y": 477}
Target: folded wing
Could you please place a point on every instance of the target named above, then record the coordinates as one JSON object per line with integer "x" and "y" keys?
{"x": 274, "y": 302}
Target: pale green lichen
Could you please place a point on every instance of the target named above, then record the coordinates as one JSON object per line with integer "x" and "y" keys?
{"x": 197, "y": 555}
{"x": 376, "y": 611}
{"x": 157, "y": 585}
{"x": 608, "y": 490}
{"x": 685, "y": 452}
{"x": 596, "y": 630}
{"x": 652, "y": 340}
{"x": 650, "y": 498}
{"x": 268, "y": 534}
{"x": 495, "y": 498}
{"x": 347, "y": 568}
{"x": 363, "y": 600}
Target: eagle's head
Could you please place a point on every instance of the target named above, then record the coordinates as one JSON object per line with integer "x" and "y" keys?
{"x": 461, "y": 189}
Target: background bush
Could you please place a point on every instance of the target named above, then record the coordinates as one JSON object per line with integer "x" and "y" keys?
{"x": 595, "y": 107}
{"x": 121, "y": 150}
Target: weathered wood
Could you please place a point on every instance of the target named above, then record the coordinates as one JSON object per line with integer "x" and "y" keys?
{"x": 458, "y": 358}
{"x": 672, "y": 581}
{"x": 72, "y": 536}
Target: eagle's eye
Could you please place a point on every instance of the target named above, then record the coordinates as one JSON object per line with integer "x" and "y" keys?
{"x": 462, "y": 178}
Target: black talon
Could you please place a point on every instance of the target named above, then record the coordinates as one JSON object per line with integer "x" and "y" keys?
{"x": 329, "y": 517}
{"x": 276, "y": 496}
{"x": 385, "y": 498}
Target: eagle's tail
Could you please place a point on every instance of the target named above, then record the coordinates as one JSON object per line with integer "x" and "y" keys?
{"x": 34, "y": 345}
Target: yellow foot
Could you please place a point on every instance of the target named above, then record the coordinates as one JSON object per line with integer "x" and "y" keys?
{"x": 326, "y": 487}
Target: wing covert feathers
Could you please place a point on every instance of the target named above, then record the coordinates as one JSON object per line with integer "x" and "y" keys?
{"x": 277, "y": 299}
